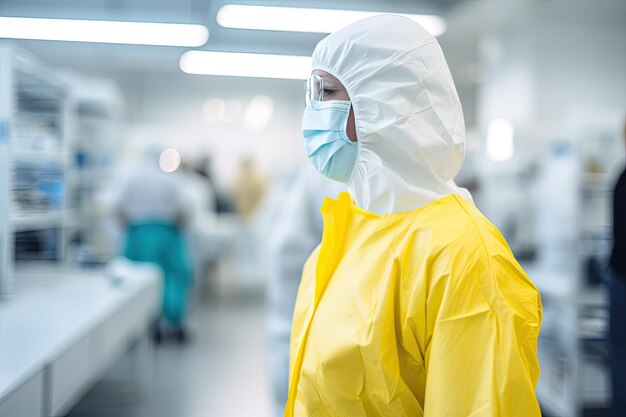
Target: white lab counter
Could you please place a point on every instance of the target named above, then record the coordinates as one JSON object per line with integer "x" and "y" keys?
{"x": 60, "y": 331}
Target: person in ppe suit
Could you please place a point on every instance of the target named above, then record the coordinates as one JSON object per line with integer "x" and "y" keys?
{"x": 617, "y": 298}
{"x": 296, "y": 231}
{"x": 413, "y": 304}
{"x": 152, "y": 208}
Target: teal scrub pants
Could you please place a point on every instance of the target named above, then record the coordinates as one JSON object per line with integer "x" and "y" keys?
{"x": 163, "y": 244}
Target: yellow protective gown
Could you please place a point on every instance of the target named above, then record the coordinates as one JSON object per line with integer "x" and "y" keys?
{"x": 421, "y": 313}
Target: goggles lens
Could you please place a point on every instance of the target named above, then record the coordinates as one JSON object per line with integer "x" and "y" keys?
{"x": 315, "y": 89}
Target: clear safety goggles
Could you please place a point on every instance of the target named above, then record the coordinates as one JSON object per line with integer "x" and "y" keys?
{"x": 314, "y": 89}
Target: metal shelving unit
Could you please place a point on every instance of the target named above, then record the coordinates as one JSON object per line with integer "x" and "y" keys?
{"x": 93, "y": 143}
{"x": 33, "y": 160}
{"x": 572, "y": 345}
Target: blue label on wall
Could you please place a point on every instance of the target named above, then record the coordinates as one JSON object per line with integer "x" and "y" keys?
{"x": 4, "y": 131}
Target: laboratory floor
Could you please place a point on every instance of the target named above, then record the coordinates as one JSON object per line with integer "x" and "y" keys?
{"x": 220, "y": 372}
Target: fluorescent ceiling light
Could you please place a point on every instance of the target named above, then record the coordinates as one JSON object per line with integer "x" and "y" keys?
{"x": 246, "y": 65}
{"x": 292, "y": 19}
{"x": 101, "y": 31}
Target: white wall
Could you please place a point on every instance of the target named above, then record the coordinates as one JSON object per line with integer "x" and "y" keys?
{"x": 564, "y": 62}
{"x": 557, "y": 73}
{"x": 173, "y": 105}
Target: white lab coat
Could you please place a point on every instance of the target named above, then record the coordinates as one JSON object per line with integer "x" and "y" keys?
{"x": 149, "y": 194}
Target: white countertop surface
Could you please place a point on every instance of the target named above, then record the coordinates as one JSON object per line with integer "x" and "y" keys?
{"x": 52, "y": 310}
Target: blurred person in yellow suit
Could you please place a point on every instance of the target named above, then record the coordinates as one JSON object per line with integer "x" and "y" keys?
{"x": 249, "y": 189}
{"x": 413, "y": 304}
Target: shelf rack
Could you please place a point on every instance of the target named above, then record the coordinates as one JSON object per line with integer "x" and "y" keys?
{"x": 573, "y": 341}
{"x": 33, "y": 123}
{"x": 94, "y": 141}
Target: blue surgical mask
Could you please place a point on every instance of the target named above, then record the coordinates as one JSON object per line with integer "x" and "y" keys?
{"x": 327, "y": 144}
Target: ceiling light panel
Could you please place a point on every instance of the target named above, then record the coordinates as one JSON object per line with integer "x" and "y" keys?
{"x": 246, "y": 65}
{"x": 293, "y": 19}
{"x": 101, "y": 31}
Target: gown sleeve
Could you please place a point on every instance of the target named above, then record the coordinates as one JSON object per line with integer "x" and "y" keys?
{"x": 481, "y": 348}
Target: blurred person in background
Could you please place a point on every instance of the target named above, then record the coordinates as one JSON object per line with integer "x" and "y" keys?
{"x": 152, "y": 208}
{"x": 204, "y": 169}
{"x": 249, "y": 189}
{"x": 199, "y": 189}
{"x": 200, "y": 194}
{"x": 295, "y": 232}
{"x": 617, "y": 326}
{"x": 413, "y": 304}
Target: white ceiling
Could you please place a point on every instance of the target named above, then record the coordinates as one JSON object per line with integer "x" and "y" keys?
{"x": 466, "y": 19}
{"x": 165, "y": 59}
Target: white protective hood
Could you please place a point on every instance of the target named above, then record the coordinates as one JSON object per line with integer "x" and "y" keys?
{"x": 409, "y": 120}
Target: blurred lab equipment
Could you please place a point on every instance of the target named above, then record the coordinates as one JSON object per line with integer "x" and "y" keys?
{"x": 574, "y": 228}
{"x": 38, "y": 188}
{"x": 200, "y": 194}
{"x": 33, "y": 174}
{"x": 97, "y": 108}
{"x": 296, "y": 230}
{"x": 558, "y": 207}
{"x": 153, "y": 208}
